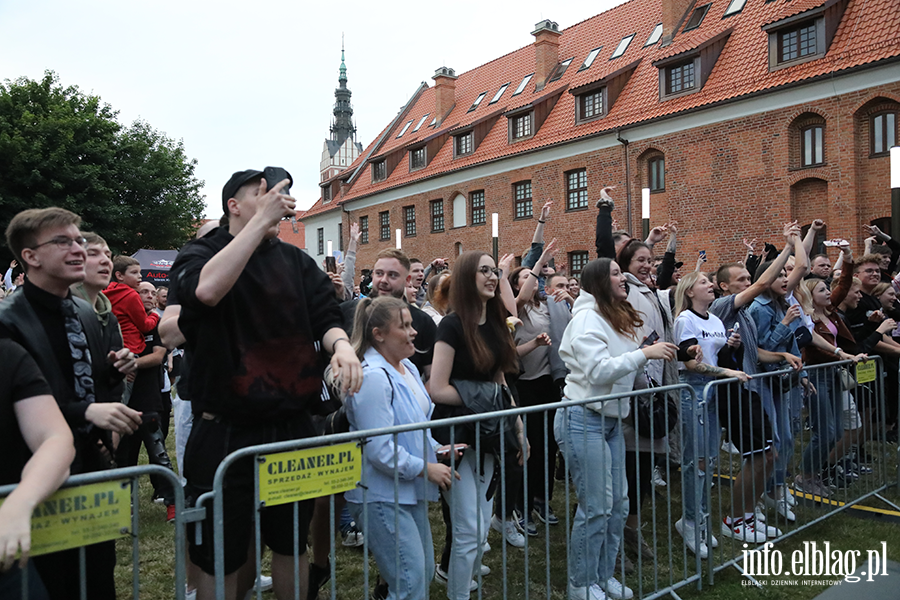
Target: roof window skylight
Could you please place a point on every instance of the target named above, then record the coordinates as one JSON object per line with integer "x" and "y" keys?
{"x": 499, "y": 93}
{"x": 405, "y": 127}
{"x": 696, "y": 17}
{"x": 477, "y": 101}
{"x": 561, "y": 69}
{"x": 419, "y": 124}
{"x": 433, "y": 121}
{"x": 590, "y": 58}
{"x": 523, "y": 84}
{"x": 622, "y": 47}
{"x": 735, "y": 7}
{"x": 656, "y": 34}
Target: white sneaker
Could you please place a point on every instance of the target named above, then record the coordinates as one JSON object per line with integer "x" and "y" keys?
{"x": 686, "y": 529}
{"x": 729, "y": 447}
{"x": 510, "y": 532}
{"x": 782, "y": 492}
{"x": 264, "y": 583}
{"x": 486, "y": 547}
{"x": 781, "y": 506}
{"x": 595, "y": 592}
{"x": 190, "y": 594}
{"x": 441, "y": 577}
{"x": 657, "y": 478}
{"x": 616, "y": 590}
{"x": 485, "y": 570}
{"x": 743, "y": 531}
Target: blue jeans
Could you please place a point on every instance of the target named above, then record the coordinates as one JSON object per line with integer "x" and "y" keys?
{"x": 700, "y": 434}
{"x": 783, "y": 433}
{"x": 594, "y": 448}
{"x": 825, "y": 419}
{"x": 400, "y": 539}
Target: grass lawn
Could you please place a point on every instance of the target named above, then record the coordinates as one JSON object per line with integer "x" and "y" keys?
{"x": 528, "y": 575}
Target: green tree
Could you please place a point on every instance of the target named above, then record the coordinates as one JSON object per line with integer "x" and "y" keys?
{"x": 61, "y": 147}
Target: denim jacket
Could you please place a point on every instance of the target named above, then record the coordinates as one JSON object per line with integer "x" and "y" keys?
{"x": 385, "y": 400}
{"x": 772, "y": 334}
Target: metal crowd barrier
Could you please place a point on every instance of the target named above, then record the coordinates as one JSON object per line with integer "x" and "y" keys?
{"x": 98, "y": 507}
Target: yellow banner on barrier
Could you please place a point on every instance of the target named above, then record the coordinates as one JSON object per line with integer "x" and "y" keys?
{"x": 81, "y": 516}
{"x": 865, "y": 371}
{"x": 302, "y": 474}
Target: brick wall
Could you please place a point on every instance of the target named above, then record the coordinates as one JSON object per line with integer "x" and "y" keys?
{"x": 723, "y": 182}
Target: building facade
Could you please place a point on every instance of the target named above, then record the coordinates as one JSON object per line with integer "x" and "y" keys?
{"x": 738, "y": 115}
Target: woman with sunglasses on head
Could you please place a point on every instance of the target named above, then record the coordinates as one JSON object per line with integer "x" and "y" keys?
{"x": 473, "y": 345}
{"x": 601, "y": 348}
{"x": 392, "y": 394}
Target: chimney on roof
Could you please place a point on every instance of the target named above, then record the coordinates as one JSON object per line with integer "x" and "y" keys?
{"x": 673, "y": 14}
{"x": 444, "y": 92}
{"x": 546, "y": 50}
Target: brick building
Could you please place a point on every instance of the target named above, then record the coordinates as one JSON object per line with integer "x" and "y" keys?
{"x": 737, "y": 114}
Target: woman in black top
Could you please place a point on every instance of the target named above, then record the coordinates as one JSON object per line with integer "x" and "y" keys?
{"x": 473, "y": 344}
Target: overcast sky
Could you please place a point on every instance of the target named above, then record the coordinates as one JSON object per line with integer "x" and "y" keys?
{"x": 250, "y": 84}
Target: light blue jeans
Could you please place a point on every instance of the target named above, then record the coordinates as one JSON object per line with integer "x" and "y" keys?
{"x": 825, "y": 419}
{"x": 400, "y": 539}
{"x": 467, "y": 499}
{"x": 700, "y": 434}
{"x": 784, "y": 432}
{"x": 594, "y": 448}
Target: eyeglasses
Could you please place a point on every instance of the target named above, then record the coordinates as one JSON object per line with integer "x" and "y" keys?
{"x": 870, "y": 271}
{"x": 486, "y": 271}
{"x": 63, "y": 242}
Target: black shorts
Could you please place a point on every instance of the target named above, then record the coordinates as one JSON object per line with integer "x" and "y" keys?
{"x": 209, "y": 443}
{"x": 741, "y": 414}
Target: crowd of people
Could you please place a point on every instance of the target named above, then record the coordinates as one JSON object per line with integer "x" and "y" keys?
{"x": 252, "y": 342}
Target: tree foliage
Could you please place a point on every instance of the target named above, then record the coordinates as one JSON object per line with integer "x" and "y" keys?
{"x": 60, "y": 147}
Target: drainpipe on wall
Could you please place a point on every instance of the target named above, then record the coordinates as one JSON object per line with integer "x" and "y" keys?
{"x": 624, "y": 143}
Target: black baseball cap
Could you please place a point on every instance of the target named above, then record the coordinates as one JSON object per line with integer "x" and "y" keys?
{"x": 238, "y": 180}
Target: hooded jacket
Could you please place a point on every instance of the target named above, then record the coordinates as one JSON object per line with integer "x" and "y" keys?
{"x": 133, "y": 318}
{"x": 600, "y": 360}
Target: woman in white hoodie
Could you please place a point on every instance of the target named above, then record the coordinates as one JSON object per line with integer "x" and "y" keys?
{"x": 601, "y": 350}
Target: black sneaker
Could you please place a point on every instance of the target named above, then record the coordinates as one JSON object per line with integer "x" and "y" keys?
{"x": 381, "y": 591}
{"x": 545, "y": 513}
{"x": 863, "y": 457}
{"x": 318, "y": 576}
{"x": 527, "y": 526}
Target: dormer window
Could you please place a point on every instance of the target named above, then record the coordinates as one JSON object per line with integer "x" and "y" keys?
{"x": 680, "y": 78}
{"x": 379, "y": 171}
{"x": 326, "y": 194}
{"x": 590, "y": 105}
{"x": 798, "y": 42}
{"x": 520, "y": 126}
{"x": 417, "y": 159}
{"x": 463, "y": 143}
{"x": 803, "y": 37}
{"x": 687, "y": 72}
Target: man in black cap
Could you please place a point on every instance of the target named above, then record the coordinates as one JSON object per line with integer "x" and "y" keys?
{"x": 252, "y": 310}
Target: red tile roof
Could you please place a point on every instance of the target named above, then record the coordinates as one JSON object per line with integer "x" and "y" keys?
{"x": 742, "y": 69}
{"x": 286, "y": 233}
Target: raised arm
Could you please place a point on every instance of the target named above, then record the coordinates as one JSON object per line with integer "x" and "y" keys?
{"x": 527, "y": 290}
{"x": 801, "y": 257}
{"x": 765, "y": 280}
{"x": 893, "y": 244}
{"x": 349, "y": 275}
{"x": 506, "y": 292}
{"x": 539, "y": 230}
{"x": 221, "y": 272}
{"x": 603, "y": 241}
{"x": 667, "y": 268}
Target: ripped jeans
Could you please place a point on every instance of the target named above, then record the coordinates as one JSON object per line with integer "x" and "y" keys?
{"x": 700, "y": 435}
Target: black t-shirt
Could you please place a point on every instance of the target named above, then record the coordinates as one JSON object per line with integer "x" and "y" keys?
{"x": 145, "y": 394}
{"x": 450, "y": 331}
{"x": 422, "y": 323}
{"x": 184, "y": 373}
{"x": 254, "y": 358}
{"x": 858, "y": 318}
{"x": 20, "y": 378}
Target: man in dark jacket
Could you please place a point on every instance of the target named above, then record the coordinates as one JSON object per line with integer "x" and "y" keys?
{"x": 83, "y": 362}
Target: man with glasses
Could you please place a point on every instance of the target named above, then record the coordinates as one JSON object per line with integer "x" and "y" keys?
{"x": 83, "y": 362}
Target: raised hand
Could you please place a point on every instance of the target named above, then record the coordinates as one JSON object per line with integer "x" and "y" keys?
{"x": 354, "y": 232}
{"x": 749, "y": 245}
{"x": 545, "y": 210}
{"x": 818, "y": 225}
{"x": 505, "y": 262}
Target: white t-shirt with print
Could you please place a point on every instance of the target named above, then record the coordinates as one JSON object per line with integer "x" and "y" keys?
{"x": 709, "y": 332}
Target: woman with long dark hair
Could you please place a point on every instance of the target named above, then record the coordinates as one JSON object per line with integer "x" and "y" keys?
{"x": 473, "y": 345}
{"x": 601, "y": 349}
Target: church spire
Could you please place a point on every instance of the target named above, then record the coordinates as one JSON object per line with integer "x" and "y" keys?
{"x": 343, "y": 127}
